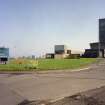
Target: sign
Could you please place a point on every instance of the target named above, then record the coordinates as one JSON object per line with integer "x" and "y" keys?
{"x": 4, "y": 52}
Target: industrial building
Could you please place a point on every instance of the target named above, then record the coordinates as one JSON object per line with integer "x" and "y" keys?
{"x": 97, "y": 49}
{"x": 4, "y": 55}
{"x": 61, "y": 52}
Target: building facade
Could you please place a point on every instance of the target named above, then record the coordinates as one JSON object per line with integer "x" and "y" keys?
{"x": 102, "y": 30}
{"x": 61, "y": 52}
{"x": 97, "y": 49}
{"x": 60, "y": 49}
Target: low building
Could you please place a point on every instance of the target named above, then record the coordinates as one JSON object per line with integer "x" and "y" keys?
{"x": 50, "y": 56}
{"x": 96, "y": 50}
{"x": 61, "y": 52}
{"x": 94, "y": 53}
{"x": 97, "y": 45}
{"x": 90, "y": 53}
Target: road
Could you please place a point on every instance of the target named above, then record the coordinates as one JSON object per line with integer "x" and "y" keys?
{"x": 14, "y": 88}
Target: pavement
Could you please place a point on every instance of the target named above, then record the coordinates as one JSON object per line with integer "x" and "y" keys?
{"x": 51, "y": 86}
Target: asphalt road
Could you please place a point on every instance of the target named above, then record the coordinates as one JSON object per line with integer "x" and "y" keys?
{"x": 14, "y": 88}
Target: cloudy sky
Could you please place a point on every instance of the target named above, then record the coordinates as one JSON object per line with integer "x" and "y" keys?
{"x": 30, "y": 27}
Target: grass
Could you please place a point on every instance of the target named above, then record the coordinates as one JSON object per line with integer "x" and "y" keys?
{"x": 19, "y": 65}
{"x": 64, "y": 63}
{"x": 46, "y": 64}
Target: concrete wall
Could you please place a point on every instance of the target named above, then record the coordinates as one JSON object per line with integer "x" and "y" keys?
{"x": 60, "y": 56}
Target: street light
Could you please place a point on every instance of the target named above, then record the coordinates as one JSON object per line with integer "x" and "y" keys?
{"x": 99, "y": 46}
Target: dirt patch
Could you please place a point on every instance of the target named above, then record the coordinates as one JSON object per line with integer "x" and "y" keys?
{"x": 78, "y": 100}
{"x": 91, "y": 97}
{"x": 37, "y": 102}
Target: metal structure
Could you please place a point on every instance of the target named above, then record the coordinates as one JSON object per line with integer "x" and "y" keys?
{"x": 4, "y": 55}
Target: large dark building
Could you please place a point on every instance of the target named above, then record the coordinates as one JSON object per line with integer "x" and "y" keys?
{"x": 102, "y": 30}
{"x": 98, "y": 48}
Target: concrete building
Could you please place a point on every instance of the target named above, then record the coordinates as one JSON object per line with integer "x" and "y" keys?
{"x": 4, "y": 55}
{"x": 97, "y": 49}
{"x": 61, "y": 52}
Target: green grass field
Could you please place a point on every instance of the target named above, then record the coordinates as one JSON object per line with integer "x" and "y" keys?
{"x": 19, "y": 65}
{"x": 65, "y": 63}
{"x": 46, "y": 64}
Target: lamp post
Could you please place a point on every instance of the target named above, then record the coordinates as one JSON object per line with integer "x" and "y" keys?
{"x": 99, "y": 43}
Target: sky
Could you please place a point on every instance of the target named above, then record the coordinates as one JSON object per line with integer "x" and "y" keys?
{"x": 33, "y": 27}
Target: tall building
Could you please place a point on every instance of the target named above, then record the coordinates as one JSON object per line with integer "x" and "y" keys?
{"x": 102, "y": 30}
{"x": 98, "y": 48}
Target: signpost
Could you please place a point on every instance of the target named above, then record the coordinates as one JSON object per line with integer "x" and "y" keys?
{"x": 4, "y": 55}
